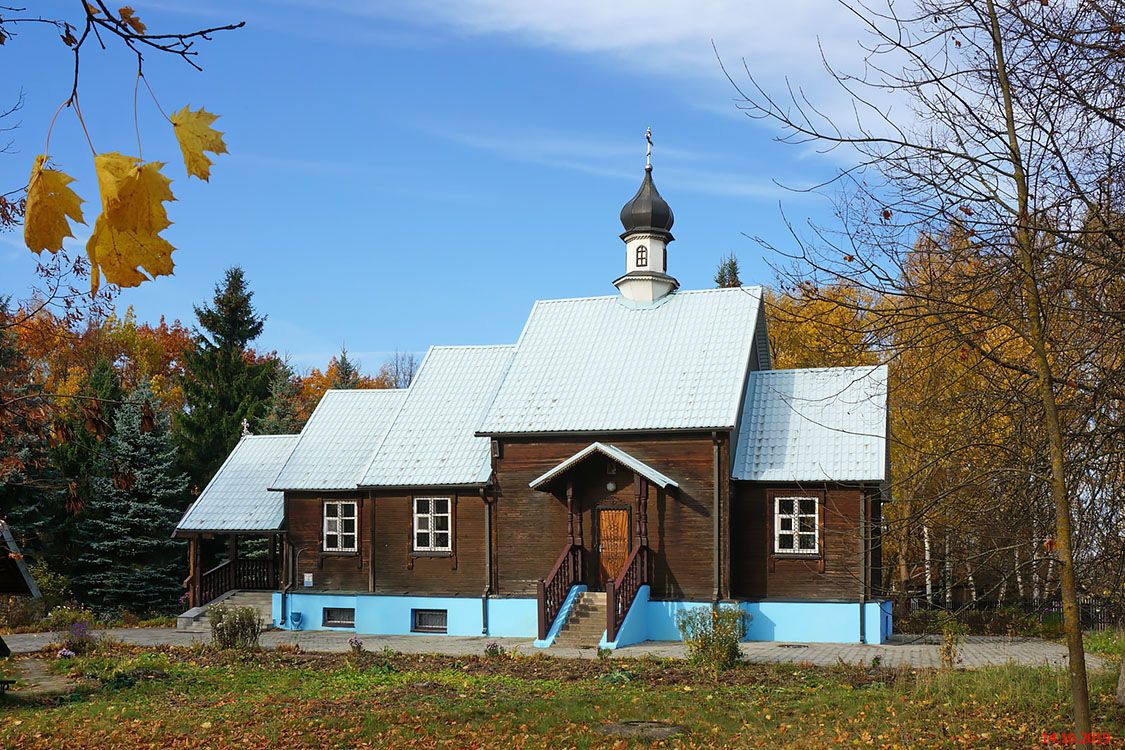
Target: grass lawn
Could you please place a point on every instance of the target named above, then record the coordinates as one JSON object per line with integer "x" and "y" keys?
{"x": 182, "y": 698}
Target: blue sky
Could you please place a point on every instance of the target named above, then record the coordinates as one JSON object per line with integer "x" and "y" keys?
{"x": 412, "y": 173}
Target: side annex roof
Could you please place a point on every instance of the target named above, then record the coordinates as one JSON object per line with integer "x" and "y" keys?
{"x": 236, "y": 498}
{"x": 814, "y": 425}
{"x": 431, "y": 442}
{"x": 339, "y": 438}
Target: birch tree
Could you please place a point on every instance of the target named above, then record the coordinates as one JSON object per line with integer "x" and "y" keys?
{"x": 1003, "y": 124}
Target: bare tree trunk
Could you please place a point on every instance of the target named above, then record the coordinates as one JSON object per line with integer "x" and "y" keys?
{"x": 1025, "y": 247}
{"x": 1019, "y": 576}
{"x": 947, "y": 575}
{"x": 1121, "y": 685}
{"x": 928, "y": 564}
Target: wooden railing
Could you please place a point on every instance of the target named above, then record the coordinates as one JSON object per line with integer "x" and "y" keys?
{"x": 619, "y": 594}
{"x": 554, "y": 588}
{"x": 237, "y": 574}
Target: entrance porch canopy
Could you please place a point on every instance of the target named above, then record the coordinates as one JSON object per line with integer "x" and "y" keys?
{"x": 612, "y": 452}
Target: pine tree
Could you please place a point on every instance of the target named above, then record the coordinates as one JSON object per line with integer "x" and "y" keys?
{"x": 283, "y": 416}
{"x": 129, "y": 560}
{"x": 347, "y": 374}
{"x": 223, "y": 383}
{"x": 727, "y": 275}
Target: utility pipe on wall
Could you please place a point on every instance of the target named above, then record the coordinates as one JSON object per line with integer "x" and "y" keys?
{"x": 487, "y": 561}
{"x": 862, "y": 567}
{"x": 715, "y": 516}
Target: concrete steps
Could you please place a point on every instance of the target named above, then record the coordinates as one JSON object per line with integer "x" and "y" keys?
{"x": 585, "y": 626}
{"x": 197, "y": 621}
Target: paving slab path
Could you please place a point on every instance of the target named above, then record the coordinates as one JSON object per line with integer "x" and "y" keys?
{"x": 901, "y": 651}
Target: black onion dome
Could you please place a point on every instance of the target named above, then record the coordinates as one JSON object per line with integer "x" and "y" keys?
{"x": 647, "y": 210}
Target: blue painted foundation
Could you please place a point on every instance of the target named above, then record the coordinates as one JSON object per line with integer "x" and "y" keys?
{"x": 647, "y": 620}
{"x": 377, "y": 614}
{"x": 795, "y": 621}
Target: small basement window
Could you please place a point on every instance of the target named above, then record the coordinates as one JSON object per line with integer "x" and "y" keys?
{"x": 429, "y": 620}
{"x": 339, "y": 617}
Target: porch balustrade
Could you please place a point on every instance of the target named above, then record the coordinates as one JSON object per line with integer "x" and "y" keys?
{"x": 237, "y": 574}
{"x": 553, "y": 590}
{"x": 620, "y": 594}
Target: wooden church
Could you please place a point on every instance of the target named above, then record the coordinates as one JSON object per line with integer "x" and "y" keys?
{"x": 629, "y": 456}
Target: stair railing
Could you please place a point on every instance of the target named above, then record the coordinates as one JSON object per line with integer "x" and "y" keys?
{"x": 620, "y": 594}
{"x": 553, "y": 590}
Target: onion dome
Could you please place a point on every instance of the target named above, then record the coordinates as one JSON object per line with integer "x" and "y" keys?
{"x": 647, "y": 210}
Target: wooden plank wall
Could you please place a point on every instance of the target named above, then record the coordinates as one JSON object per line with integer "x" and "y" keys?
{"x": 834, "y": 574}
{"x": 397, "y": 569}
{"x": 531, "y": 525}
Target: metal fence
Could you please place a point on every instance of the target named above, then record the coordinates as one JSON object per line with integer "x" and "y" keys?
{"x": 1097, "y": 613}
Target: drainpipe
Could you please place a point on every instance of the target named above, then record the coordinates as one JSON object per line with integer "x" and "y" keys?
{"x": 487, "y": 561}
{"x": 863, "y": 566}
{"x": 289, "y": 584}
{"x": 715, "y": 516}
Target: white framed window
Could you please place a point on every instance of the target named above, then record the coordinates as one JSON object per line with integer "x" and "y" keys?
{"x": 432, "y": 525}
{"x": 642, "y": 256}
{"x": 340, "y": 527}
{"x": 796, "y": 526}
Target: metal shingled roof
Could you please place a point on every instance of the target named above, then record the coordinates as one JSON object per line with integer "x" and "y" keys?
{"x": 432, "y": 441}
{"x": 339, "y": 439}
{"x": 606, "y": 364}
{"x": 815, "y": 425}
{"x": 236, "y": 498}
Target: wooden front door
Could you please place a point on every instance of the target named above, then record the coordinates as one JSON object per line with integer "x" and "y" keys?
{"x": 613, "y": 542}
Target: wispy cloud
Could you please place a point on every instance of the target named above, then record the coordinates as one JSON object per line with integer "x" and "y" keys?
{"x": 672, "y": 39}
{"x": 689, "y": 170}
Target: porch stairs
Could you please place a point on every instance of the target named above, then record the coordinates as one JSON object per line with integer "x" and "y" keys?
{"x": 585, "y": 626}
{"x": 199, "y": 622}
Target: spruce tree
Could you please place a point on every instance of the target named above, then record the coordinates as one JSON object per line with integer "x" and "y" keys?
{"x": 129, "y": 560}
{"x": 223, "y": 384}
{"x": 283, "y": 416}
{"x": 347, "y": 374}
{"x": 727, "y": 275}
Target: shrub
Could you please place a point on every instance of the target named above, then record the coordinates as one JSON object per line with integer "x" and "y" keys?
{"x": 234, "y": 627}
{"x": 712, "y": 635}
{"x": 64, "y": 616}
{"x": 54, "y": 587}
{"x": 79, "y": 639}
{"x": 355, "y": 644}
{"x": 952, "y": 636}
{"x": 493, "y": 650}
{"x": 20, "y": 611}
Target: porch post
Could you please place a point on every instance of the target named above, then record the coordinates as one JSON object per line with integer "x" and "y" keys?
{"x": 194, "y": 573}
{"x": 569, "y": 512}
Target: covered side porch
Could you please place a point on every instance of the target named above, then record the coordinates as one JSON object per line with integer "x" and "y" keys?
{"x": 234, "y": 529}
{"x": 605, "y": 564}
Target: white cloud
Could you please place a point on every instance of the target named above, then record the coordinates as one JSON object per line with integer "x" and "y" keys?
{"x": 665, "y": 38}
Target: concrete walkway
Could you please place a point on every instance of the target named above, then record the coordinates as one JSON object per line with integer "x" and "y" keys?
{"x": 908, "y": 651}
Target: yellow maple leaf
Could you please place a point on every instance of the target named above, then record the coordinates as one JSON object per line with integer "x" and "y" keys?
{"x": 119, "y": 254}
{"x": 135, "y": 202}
{"x": 126, "y": 234}
{"x": 50, "y": 202}
{"x": 195, "y": 134}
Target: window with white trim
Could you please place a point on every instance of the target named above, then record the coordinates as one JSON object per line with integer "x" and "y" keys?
{"x": 432, "y": 524}
{"x": 642, "y": 256}
{"x": 796, "y": 526}
{"x": 340, "y": 527}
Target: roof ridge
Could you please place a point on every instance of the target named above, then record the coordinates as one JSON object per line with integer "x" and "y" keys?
{"x": 821, "y": 369}
{"x": 473, "y": 346}
{"x": 677, "y": 293}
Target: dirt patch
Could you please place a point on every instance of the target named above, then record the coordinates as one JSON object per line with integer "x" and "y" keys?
{"x": 35, "y": 681}
{"x": 642, "y": 730}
